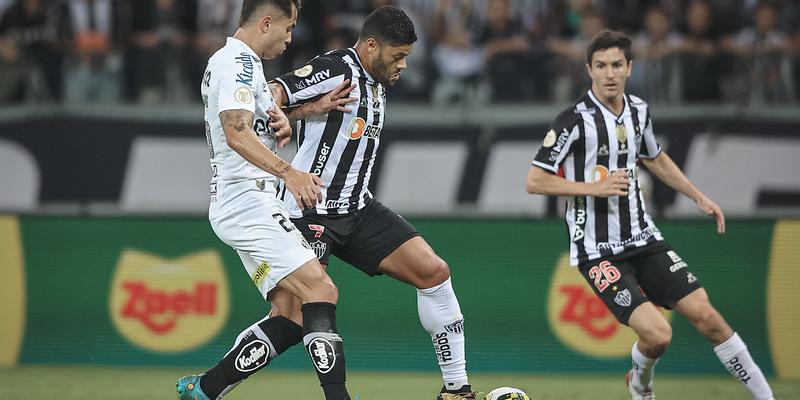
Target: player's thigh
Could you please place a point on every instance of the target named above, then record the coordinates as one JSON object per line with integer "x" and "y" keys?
{"x": 269, "y": 246}
{"x": 416, "y": 263}
{"x": 665, "y": 277}
{"x": 614, "y": 282}
{"x": 378, "y": 232}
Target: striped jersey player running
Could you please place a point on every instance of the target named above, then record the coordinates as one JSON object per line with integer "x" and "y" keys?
{"x": 597, "y": 143}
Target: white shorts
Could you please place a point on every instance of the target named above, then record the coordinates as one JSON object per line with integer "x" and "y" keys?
{"x": 255, "y": 223}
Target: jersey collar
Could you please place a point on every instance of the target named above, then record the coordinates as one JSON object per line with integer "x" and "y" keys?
{"x": 354, "y": 54}
{"x": 626, "y": 109}
{"x": 236, "y": 42}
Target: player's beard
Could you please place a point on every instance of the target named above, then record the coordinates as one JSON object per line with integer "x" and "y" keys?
{"x": 382, "y": 71}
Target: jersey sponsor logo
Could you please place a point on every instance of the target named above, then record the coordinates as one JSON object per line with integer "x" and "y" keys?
{"x": 336, "y": 203}
{"x": 243, "y": 95}
{"x": 600, "y": 173}
{"x": 623, "y": 298}
{"x": 260, "y": 273}
{"x": 645, "y": 234}
{"x": 322, "y": 354}
{"x": 580, "y": 219}
{"x": 358, "y": 128}
{"x": 304, "y": 71}
{"x": 581, "y": 321}
{"x": 318, "y": 77}
{"x": 549, "y": 139}
{"x": 252, "y": 356}
{"x": 678, "y": 266}
{"x": 323, "y": 156}
{"x": 673, "y": 256}
{"x": 246, "y": 76}
{"x": 455, "y": 327}
{"x": 559, "y": 145}
{"x": 261, "y": 127}
{"x": 441, "y": 346}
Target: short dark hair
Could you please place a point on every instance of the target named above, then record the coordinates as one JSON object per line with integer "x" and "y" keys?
{"x": 389, "y": 24}
{"x": 249, "y": 8}
{"x": 607, "y": 39}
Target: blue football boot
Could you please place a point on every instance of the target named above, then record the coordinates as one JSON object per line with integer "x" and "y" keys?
{"x": 189, "y": 388}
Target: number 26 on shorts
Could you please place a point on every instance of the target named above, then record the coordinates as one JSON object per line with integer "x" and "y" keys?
{"x": 604, "y": 275}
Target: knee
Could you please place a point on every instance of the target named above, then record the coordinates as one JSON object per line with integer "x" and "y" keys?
{"x": 325, "y": 290}
{"x": 434, "y": 272}
{"x": 658, "y": 338}
{"x": 710, "y": 323}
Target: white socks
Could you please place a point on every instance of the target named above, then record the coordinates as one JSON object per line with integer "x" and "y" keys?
{"x": 440, "y": 315}
{"x": 734, "y": 356}
{"x": 643, "y": 368}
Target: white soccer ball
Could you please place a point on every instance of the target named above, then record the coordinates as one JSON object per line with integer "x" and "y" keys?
{"x": 507, "y": 393}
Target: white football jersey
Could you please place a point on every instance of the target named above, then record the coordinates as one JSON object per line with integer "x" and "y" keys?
{"x": 234, "y": 79}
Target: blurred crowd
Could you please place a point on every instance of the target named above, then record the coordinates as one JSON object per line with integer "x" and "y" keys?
{"x": 469, "y": 51}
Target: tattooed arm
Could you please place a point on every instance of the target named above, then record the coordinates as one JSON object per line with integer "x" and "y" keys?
{"x": 241, "y": 138}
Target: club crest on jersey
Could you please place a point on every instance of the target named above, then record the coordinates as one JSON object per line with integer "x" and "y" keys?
{"x": 243, "y": 95}
{"x": 549, "y": 139}
{"x": 623, "y": 298}
{"x": 304, "y": 71}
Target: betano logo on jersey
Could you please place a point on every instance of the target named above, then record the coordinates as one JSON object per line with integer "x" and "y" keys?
{"x": 580, "y": 320}
{"x": 358, "y": 128}
{"x": 169, "y": 305}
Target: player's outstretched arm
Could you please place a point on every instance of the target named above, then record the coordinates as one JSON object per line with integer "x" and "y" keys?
{"x": 241, "y": 138}
{"x": 543, "y": 182}
{"x": 335, "y": 100}
{"x": 665, "y": 169}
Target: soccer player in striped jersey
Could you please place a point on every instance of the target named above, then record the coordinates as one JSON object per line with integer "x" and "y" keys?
{"x": 338, "y": 142}
{"x": 590, "y": 155}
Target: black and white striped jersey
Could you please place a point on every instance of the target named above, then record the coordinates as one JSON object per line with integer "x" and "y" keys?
{"x": 586, "y": 143}
{"x": 339, "y": 148}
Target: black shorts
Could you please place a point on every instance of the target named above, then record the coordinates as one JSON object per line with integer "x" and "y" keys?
{"x": 653, "y": 273}
{"x": 362, "y": 238}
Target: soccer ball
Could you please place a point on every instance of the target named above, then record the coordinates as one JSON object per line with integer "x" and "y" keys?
{"x": 507, "y": 393}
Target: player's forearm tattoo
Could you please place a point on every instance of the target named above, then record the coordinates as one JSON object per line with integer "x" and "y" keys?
{"x": 283, "y": 167}
{"x": 238, "y": 120}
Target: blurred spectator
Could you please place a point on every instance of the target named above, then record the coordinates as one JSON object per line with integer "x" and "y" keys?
{"x": 569, "y": 63}
{"x": 96, "y": 31}
{"x": 656, "y": 72}
{"x": 701, "y": 64}
{"x": 216, "y": 21}
{"x": 458, "y": 59}
{"x": 764, "y": 74}
{"x": 505, "y": 48}
{"x": 160, "y": 35}
{"x": 627, "y": 15}
{"x": 30, "y": 62}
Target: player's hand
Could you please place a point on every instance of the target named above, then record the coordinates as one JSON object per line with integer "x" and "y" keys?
{"x": 708, "y": 207}
{"x": 304, "y": 187}
{"x": 280, "y": 125}
{"x": 335, "y": 100}
{"x": 615, "y": 184}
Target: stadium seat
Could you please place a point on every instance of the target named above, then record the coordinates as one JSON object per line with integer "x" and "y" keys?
{"x": 20, "y": 178}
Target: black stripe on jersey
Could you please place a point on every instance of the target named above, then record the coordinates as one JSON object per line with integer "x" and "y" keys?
{"x": 334, "y": 192}
{"x": 624, "y": 202}
{"x": 601, "y": 203}
{"x": 643, "y": 149}
{"x": 579, "y": 156}
{"x": 362, "y": 171}
{"x": 301, "y": 134}
{"x": 637, "y": 127}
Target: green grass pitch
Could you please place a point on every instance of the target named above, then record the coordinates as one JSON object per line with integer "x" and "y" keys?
{"x": 81, "y": 383}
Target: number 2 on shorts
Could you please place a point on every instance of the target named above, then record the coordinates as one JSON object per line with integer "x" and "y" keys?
{"x": 604, "y": 275}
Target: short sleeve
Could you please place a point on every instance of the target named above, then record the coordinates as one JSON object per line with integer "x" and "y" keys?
{"x": 555, "y": 147}
{"x": 236, "y": 84}
{"x": 649, "y": 148}
{"x": 319, "y": 76}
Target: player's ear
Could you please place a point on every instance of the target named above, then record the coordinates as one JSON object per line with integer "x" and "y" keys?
{"x": 265, "y": 23}
{"x": 630, "y": 68}
{"x": 372, "y": 45}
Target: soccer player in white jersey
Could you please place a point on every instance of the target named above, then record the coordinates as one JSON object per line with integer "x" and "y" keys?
{"x": 339, "y": 143}
{"x": 590, "y": 155}
{"x": 241, "y": 123}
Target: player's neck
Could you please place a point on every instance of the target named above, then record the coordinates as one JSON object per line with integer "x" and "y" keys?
{"x": 361, "y": 52}
{"x": 614, "y": 104}
{"x": 247, "y": 38}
